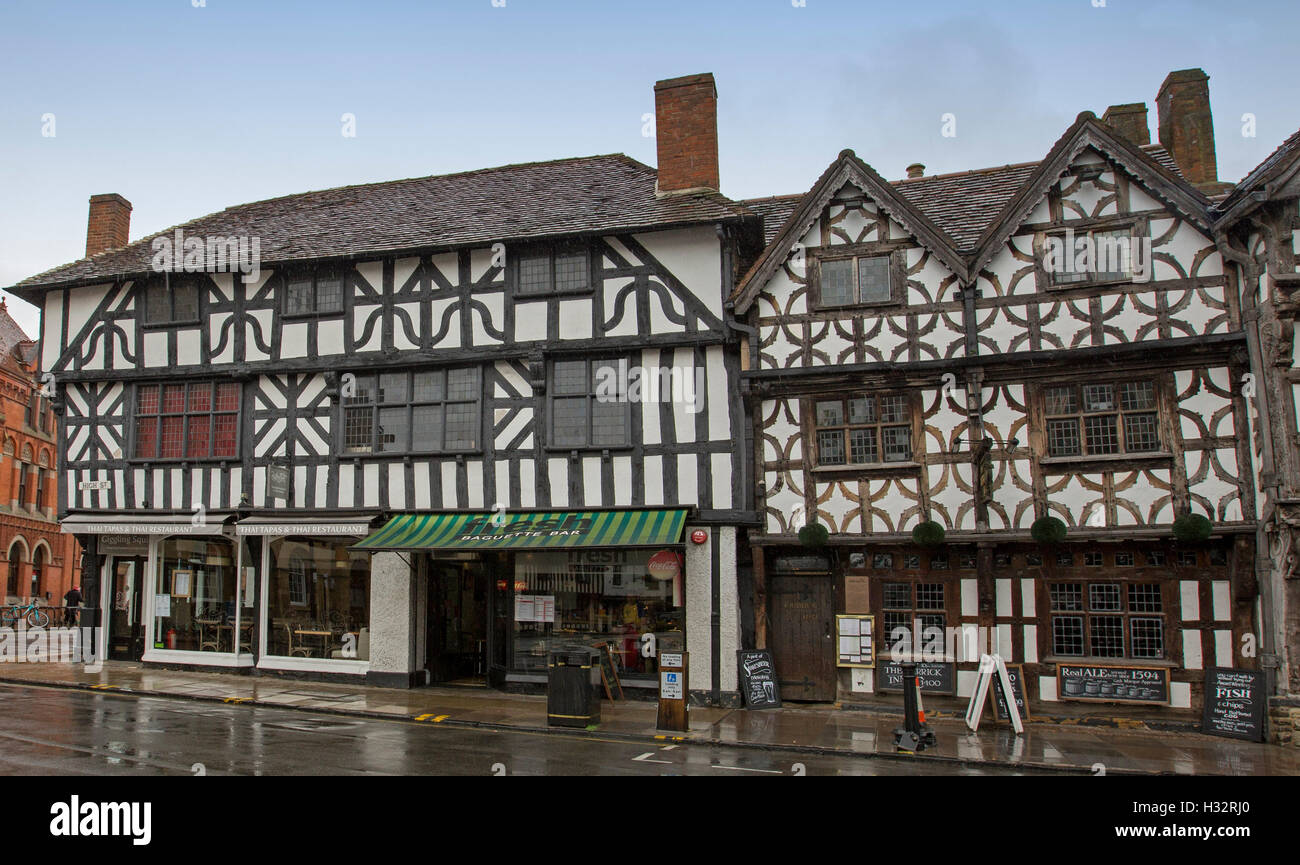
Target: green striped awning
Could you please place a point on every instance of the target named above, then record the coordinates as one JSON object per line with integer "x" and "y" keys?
{"x": 478, "y": 531}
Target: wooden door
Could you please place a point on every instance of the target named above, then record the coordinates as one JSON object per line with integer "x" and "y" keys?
{"x": 801, "y": 613}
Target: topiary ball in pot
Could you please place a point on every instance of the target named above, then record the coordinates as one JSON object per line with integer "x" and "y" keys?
{"x": 814, "y": 535}
{"x": 928, "y": 534}
{"x": 1048, "y": 530}
{"x": 1192, "y": 527}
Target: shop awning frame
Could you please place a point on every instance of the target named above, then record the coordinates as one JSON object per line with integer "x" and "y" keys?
{"x": 528, "y": 530}
{"x": 211, "y": 523}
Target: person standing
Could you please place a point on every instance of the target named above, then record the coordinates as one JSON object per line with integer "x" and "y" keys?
{"x": 71, "y": 602}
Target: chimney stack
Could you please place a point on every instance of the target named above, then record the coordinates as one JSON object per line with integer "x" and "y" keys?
{"x": 1186, "y": 128}
{"x": 109, "y": 225}
{"x": 916, "y": 169}
{"x": 686, "y": 134}
{"x": 1130, "y": 121}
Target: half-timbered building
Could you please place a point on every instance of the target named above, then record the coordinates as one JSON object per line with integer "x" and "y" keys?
{"x": 428, "y": 430}
{"x": 943, "y": 363}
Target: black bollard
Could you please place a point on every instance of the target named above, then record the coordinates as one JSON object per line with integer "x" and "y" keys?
{"x": 914, "y": 736}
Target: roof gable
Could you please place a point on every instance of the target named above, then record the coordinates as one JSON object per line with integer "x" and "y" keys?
{"x": 1089, "y": 132}
{"x": 1264, "y": 182}
{"x": 846, "y": 169}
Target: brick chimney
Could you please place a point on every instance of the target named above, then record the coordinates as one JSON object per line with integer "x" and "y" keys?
{"x": 915, "y": 170}
{"x": 1130, "y": 121}
{"x": 686, "y": 133}
{"x": 109, "y": 225}
{"x": 1186, "y": 128}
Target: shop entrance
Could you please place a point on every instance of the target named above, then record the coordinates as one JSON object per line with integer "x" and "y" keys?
{"x": 125, "y": 600}
{"x": 801, "y": 615}
{"x": 456, "y": 636}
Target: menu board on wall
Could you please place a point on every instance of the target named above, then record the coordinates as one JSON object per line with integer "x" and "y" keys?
{"x": 534, "y": 608}
{"x": 936, "y": 678}
{"x": 853, "y": 636}
{"x": 857, "y": 598}
{"x": 1113, "y": 684}
{"x": 1234, "y": 704}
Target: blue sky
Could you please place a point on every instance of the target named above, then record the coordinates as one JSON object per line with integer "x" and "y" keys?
{"x": 185, "y": 110}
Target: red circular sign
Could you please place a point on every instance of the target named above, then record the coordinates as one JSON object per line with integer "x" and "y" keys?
{"x": 699, "y": 536}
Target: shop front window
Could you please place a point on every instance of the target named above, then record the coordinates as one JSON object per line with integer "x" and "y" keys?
{"x": 630, "y": 601}
{"x": 195, "y": 598}
{"x": 318, "y": 599}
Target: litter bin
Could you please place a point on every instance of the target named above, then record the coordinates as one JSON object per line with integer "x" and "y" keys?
{"x": 572, "y": 687}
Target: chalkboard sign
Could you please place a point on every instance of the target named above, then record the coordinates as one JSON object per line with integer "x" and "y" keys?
{"x": 936, "y": 678}
{"x": 1234, "y": 704}
{"x": 609, "y": 672}
{"x": 1016, "y": 673}
{"x": 1090, "y": 682}
{"x": 758, "y": 680}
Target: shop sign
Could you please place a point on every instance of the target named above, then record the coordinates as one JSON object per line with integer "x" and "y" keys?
{"x": 119, "y": 542}
{"x": 935, "y": 678}
{"x": 277, "y": 482}
{"x": 1113, "y": 684}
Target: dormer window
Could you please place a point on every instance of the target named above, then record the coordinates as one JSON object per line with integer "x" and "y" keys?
{"x": 171, "y": 299}
{"x": 317, "y": 292}
{"x": 543, "y": 270}
{"x": 856, "y": 280}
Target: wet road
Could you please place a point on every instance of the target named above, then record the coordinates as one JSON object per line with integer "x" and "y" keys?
{"x": 46, "y": 731}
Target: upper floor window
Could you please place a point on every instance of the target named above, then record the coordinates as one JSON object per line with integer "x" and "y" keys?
{"x": 171, "y": 300}
{"x": 854, "y": 280}
{"x": 413, "y": 412}
{"x": 195, "y": 420}
{"x": 876, "y": 428}
{"x": 1102, "y": 418}
{"x": 547, "y": 269}
{"x": 311, "y": 293}
{"x": 1080, "y": 257}
{"x": 40, "y": 489}
{"x": 582, "y": 415}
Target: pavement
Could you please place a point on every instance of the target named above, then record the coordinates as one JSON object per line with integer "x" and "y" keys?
{"x": 1051, "y": 744}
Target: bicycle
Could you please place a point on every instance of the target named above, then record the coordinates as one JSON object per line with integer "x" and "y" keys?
{"x": 36, "y": 617}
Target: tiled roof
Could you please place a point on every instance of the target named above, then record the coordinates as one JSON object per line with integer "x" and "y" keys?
{"x": 961, "y": 204}
{"x": 15, "y": 344}
{"x": 1262, "y": 171}
{"x": 513, "y": 202}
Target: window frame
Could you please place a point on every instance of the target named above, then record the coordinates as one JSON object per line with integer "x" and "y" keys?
{"x": 374, "y": 406}
{"x": 1135, "y": 233}
{"x": 314, "y": 275}
{"x": 893, "y": 252}
{"x": 815, "y": 430}
{"x": 185, "y": 414}
{"x": 552, "y": 251}
{"x": 914, "y": 611}
{"x": 1126, "y": 614}
{"x": 1080, "y": 416}
{"x": 591, "y": 397}
{"x": 192, "y": 280}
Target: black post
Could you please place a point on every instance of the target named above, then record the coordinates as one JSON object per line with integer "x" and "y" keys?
{"x": 914, "y": 736}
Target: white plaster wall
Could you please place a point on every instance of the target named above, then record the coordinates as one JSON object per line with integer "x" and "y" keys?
{"x": 392, "y": 606}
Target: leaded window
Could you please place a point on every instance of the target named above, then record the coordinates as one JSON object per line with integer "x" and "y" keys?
{"x": 313, "y": 292}
{"x": 194, "y": 420}
{"x": 1101, "y": 418}
{"x": 856, "y": 280}
{"x": 427, "y": 411}
{"x": 914, "y": 614}
{"x": 1096, "y": 256}
{"x": 543, "y": 270}
{"x": 583, "y": 412}
{"x": 1107, "y": 620}
{"x": 867, "y": 429}
{"x": 171, "y": 300}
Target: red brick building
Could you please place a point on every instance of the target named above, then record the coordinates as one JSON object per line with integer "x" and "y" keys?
{"x": 38, "y": 561}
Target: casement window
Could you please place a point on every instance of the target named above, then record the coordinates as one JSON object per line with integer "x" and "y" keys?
{"x": 196, "y": 420}
{"x": 171, "y": 300}
{"x": 430, "y": 411}
{"x": 581, "y": 416}
{"x": 862, "y": 430}
{"x": 1102, "y": 418}
{"x": 1082, "y": 257}
{"x": 313, "y": 292}
{"x": 40, "y": 489}
{"x": 1108, "y": 620}
{"x": 855, "y": 280}
{"x": 912, "y": 612}
{"x": 552, "y": 269}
